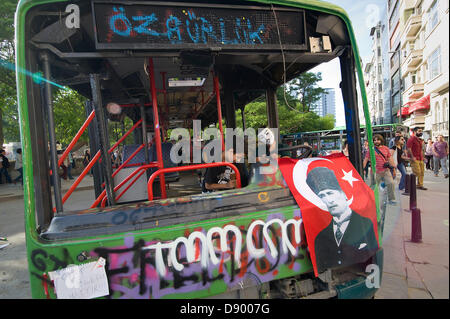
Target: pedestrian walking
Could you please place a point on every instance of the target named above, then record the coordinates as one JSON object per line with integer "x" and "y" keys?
{"x": 71, "y": 164}
{"x": 384, "y": 166}
{"x": 401, "y": 158}
{"x": 4, "y": 165}
{"x": 64, "y": 164}
{"x": 19, "y": 166}
{"x": 365, "y": 152}
{"x": 86, "y": 160}
{"x": 392, "y": 140}
{"x": 416, "y": 155}
{"x": 440, "y": 154}
{"x": 429, "y": 155}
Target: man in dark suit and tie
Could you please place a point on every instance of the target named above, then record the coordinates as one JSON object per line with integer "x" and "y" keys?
{"x": 350, "y": 237}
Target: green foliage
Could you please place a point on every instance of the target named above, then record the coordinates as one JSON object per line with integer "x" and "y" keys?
{"x": 69, "y": 115}
{"x": 7, "y": 9}
{"x": 9, "y": 128}
{"x": 290, "y": 121}
{"x": 304, "y": 89}
{"x": 294, "y": 116}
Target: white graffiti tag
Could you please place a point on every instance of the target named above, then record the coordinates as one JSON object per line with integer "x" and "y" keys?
{"x": 208, "y": 251}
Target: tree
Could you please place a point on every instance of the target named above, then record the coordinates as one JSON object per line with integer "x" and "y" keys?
{"x": 305, "y": 90}
{"x": 8, "y": 104}
{"x": 295, "y": 107}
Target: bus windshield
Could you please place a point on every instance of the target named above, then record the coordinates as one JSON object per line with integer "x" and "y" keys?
{"x": 160, "y": 86}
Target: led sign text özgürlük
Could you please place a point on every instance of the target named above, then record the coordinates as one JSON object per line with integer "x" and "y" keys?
{"x": 198, "y": 29}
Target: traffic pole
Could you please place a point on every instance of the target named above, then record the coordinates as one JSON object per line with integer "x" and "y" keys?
{"x": 413, "y": 193}
{"x": 416, "y": 226}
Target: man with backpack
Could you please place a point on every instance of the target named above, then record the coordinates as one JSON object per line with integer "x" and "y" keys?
{"x": 4, "y": 165}
{"x": 384, "y": 166}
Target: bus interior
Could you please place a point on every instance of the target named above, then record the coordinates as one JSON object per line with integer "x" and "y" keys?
{"x": 162, "y": 83}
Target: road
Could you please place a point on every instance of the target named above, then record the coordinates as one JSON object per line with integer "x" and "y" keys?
{"x": 14, "y": 276}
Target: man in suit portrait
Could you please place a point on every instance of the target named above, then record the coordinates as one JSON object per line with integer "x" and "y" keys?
{"x": 349, "y": 238}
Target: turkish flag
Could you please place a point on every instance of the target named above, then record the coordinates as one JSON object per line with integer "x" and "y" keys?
{"x": 337, "y": 207}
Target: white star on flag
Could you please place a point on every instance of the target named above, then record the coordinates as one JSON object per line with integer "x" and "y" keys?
{"x": 349, "y": 177}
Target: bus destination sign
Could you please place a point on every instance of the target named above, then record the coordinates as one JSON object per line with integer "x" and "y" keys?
{"x": 144, "y": 26}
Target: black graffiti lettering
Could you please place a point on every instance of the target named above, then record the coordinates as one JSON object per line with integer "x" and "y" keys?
{"x": 179, "y": 280}
{"x": 207, "y": 279}
{"x": 39, "y": 263}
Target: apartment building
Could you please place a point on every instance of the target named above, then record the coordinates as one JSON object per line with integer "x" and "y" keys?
{"x": 423, "y": 28}
{"x": 378, "y": 75}
{"x": 374, "y": 78}
{"x": 436, "y": 65}
{"x": 394, "y": 52}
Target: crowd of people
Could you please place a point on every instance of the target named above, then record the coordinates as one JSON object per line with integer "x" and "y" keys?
{"x": 402, "y": 151}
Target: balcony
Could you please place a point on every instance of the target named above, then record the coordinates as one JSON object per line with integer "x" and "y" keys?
{"x": 413, "y": 92}
{"x": 413, "y": 58}
{"x": 416, "y": 119}
{"x": 413, "y": 25}
{"x": 440, "y": 128}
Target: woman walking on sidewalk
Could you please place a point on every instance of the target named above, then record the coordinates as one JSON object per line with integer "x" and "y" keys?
{"x": 429, "y": 154}
{"x": 397, "y": 150}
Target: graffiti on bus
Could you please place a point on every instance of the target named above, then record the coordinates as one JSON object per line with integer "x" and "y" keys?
{"x": 232, "y": 254}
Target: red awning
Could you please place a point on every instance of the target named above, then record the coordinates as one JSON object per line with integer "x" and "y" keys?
{"x": 411, "y": 107}
{"x": 422, "y": 104}
{"x": 405, "y": 110}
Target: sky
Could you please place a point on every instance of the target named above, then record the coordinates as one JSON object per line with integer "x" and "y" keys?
{"x": 364, "y": 15}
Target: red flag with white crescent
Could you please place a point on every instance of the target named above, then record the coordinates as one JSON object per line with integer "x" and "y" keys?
{"x": 338, "y": 210}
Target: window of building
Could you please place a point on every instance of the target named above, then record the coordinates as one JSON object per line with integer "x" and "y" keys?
{"x": 445, "y": 109}
{"x": 437, "y": 117}
{"x": 435, "y": 63}
{"x": 434, "y": 15}
{"x": 396, "y": 101}
{"x": 395, "y": 82}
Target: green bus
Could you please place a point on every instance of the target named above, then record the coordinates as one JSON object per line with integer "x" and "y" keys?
{"x": 163, "y": 65}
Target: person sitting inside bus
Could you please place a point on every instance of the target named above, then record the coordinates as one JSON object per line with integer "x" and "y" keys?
{"x": 223, "y": 177}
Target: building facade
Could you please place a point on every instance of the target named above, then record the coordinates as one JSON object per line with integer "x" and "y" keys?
{"x": 418, "y": 64}
{"x": 436, "y": 65}
{"x": 394, "y": 31}
{"x": 326, "y": 104}
{"x": 424, "y": 65}
{"x": 377, "y": 76}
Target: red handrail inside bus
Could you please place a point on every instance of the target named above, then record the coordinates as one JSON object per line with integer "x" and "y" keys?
{"x": 103, "y": 194}
{"x": 189, "y": 168}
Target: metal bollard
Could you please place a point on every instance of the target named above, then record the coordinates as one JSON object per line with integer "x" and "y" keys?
{"x": 407, "y": 184}
{"x": 412, "y": 193}
{"x": 416, "y": 226}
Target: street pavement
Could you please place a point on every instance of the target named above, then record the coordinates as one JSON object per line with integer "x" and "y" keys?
{"x": 418, "y": 270}
{"x": 411, "y": 270}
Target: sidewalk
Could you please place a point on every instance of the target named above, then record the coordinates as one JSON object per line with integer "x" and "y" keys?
{"x": 418, "y": 270}
{"x": 15, "y": 191}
